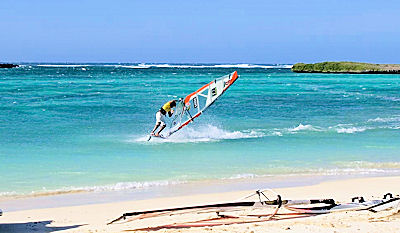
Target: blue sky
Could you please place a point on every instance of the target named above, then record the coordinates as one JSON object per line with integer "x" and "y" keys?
{"x": 206, "y": 31}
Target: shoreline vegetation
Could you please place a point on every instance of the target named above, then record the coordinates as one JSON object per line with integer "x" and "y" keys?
{"x": 8, "y": 65}
{"x": 346, "y": 67}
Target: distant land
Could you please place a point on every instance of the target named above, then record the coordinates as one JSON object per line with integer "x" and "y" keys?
{"x": 7, "y": 65}
{"x": 347, "y": 67}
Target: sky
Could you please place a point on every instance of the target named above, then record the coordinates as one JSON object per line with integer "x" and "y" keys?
{"x": 202, "y": 31}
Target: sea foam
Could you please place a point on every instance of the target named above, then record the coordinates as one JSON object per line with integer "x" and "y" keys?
{"x": 204, "y": 133}
{"x": 63, "y": 66}
{"x": 302, "y": 127}
{"x": 351, "y": 129}
{"x": 385, "y": 119}
{"x": 120, "y": 186}
{"x": 199, "y": 66}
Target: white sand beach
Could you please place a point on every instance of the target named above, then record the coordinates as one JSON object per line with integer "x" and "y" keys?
{"x": 94, "y": 218}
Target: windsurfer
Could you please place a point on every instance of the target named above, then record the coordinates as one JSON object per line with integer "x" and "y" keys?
{"x": 160, "y": 116}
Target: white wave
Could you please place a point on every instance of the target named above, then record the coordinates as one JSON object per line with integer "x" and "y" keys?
{"x": 186, "y": 66}
{"x": 277, "y": 133}
{"x": 341, "y": 168}
{"x": 182, "y": 66}
{"x": 351, "y": 129}
{"x": 387, "y": 119}
{"x": 302, "y": 127}
{"x": 2, "y": 194}
{"x": 58, "y": 65}
{"x": 344, "y": 168}
{"x": 138, "y": 66}
{"x": 126, "y": 186}
{"x": 242, "y": 176}
{"x": 204, "y": 133}
{"x": 252, "y": 66}
{"x": 356, "y": 171}
{"x": 102, "y": 188}
{"x": 367, "y": 164}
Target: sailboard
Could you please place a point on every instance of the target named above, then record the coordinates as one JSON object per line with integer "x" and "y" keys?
{"x": 357, "y": 203}
{"x": 194, "y": 104}
{"x": 160, "y": 136}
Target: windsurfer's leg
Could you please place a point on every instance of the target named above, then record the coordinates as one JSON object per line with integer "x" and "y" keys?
{"x": 161, "y": 129}
{"x": 159, "y": 121}
{"x": 155, "y": 127}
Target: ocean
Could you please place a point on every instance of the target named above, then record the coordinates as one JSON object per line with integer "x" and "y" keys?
{"x": 83, "y": 127}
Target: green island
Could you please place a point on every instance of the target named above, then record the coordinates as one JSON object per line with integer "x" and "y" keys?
{"x": 347, "y": 67}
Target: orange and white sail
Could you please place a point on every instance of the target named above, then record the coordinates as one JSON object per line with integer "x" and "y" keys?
{"x": 193, "y": 105}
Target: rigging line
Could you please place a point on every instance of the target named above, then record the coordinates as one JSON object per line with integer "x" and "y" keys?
{"x": 259, "y": 194}
{"x": 191, "y": 118}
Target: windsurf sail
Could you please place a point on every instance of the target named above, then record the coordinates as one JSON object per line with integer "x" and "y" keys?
{"x": 193, "y": 105}
{"x": 259, "y": 200}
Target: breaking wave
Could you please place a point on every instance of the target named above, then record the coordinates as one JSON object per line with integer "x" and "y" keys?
{"x": 242, "y": 176}
{"x": 125, "y": 186}
{"x": 63, "y": 66}
{"x": 345, "y": 128}
{"x": 205, "y": 133}
{"x": 367, "y": 164}
{"x": 352, "y": 129}
{"x": 179, "y": 66}
{"x": 336, "y": 169}
{"x": 185, "y": 66}
{"x": 339, "y": 168}
{"x": 120, "y": 186}
{"x": 302, "y": 127}
{"x": 385, "y": 119}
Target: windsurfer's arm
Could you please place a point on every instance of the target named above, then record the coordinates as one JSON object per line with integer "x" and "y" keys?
{"x": 170, "y": 113}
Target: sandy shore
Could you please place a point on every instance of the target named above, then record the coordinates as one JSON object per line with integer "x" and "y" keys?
{"x": 93, "y": 218}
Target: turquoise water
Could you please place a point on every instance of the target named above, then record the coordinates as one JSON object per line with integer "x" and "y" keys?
{"x": 84, "y": 127}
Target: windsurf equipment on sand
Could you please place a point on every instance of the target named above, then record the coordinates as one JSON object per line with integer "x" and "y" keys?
{"x": 262, "y": 205}
{"x": 263, "y": 200}
{"x": 356, "y": 204}
{"x": 194, "y": 104}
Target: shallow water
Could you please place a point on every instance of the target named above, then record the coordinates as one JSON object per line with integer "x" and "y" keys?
{"x": 84, "y": 127}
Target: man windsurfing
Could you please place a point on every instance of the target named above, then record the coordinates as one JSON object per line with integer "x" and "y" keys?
{"x": 167, "y": 108}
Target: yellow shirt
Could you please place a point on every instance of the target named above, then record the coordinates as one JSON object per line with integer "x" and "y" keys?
{"x": 167, "y": 106}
